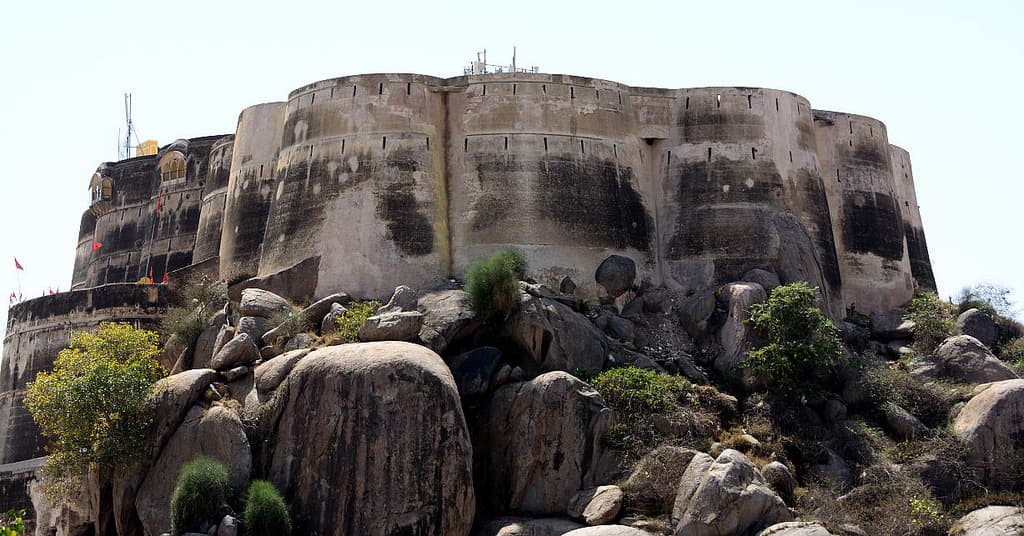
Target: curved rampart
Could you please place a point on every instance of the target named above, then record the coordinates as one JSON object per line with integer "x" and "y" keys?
{"x": 38, "y": 329}
{"x": 910, "y": 212}
{"x": 211, "y": 212}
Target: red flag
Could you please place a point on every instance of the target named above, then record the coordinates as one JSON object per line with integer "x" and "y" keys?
{"x": 13, "y": 297}
{"x": 96, "y": 245}
{"x": 150, "y": 273}
{"x": 159, "y": 202}
{"x": 165, "y": 278}
{"x": 17, "y": 265}
{"x": 52, "y": 292}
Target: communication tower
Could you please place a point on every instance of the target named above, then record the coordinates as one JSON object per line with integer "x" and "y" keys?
{"x": 480, "y": 66}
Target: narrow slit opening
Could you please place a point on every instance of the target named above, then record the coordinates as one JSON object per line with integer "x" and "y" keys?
{"x": 753, "y": 153}
{"x": 776, "y": 105}
{"x": 545, "y": 145}
{"x": 791, "y": 157}
{"x": 582, "y": 150}
{"x": 506, "y": 143}
{"x": 312, "y": 99}
{"x": 597, "y": 94}
{"x": 408, "y": 88}
{"x": 851, "y": 127}
{"x": 332, "y": 92}
{"x": 615, "y": 150}
{"x": 620, "y": 99}
{"x": 465, "y": 144}
{"x": 750, "y": 102}
{"x": 353, "y": 91}
{"x": 513, "y": 89}
{"x": 485, "y": 89}
{"x": 718, "y": 98}
{"x": 687, "y": 103}
{"x": 380, "y": 88}
{"x": 572, "y": 92}
{"x": 384, "y": 142}
{"x": 709, "y": 154}
{"x": 261, "y": 171}
{"x": 428, "y": 144}
{"x": 544, "y": 88}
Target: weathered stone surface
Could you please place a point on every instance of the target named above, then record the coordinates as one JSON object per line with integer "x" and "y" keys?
{"x": 566, "y": 285}
{"x": 255, "y": 327}
{"x": 228, "y": 526}
{"x": 596, "y": 506}
{"x": 835, "y": 469}
{"x": 396, "y": 326}
{"x": 990, "y": 521}
{"x": 205, "y": 344}
{"x": 616, "y": 274}
{"x": 608, "y": 530}
{"x": 977, "y": 324}
{"x": 271, "y": 373}
{"x": 259, "y": 302}
{"x": 966, "y": 359}
{"x": 70, "y": 517}
{"x": 736, "y": 335}
{"x": 795, "y": 528}
{"x": 240, "y": 350}
{"x": 726, "y": 495}
{"x": 781, "y": 480}
{"x": 766, "y": 279}
{"x": 297, "y": 341}
{"x": 329, "y": 323}
{"x": 216, "y": 433}
{"x": 474, "y": 370}
{"x": 225, "y": 334}
{"x": 555, "y": 337}
{"x": 522, "y": 526}
{"x": 890, "y": 325}
{"x": 173, "y": 396}
{"x": 314, "y": 314}
{"x": 992, "y": 425}
{"x": 902, "y": 423}
{"x": 233, "y": 374}
{"x": 448, "y": 316}
{"x": 371, "y": 439}
{"x": 539, "y": 442}
{"x": 695, "y": 311}
{"x": 403, "y": 299}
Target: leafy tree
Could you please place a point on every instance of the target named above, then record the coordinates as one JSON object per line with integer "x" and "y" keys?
{"x": 991, "y": 298}
{"x": 933, "y": 321}
{"x": 12, "y": 523}
{"x": 493, "y": 284}
{"x": 93, "y": 406}
{"x": 800, "y": 340}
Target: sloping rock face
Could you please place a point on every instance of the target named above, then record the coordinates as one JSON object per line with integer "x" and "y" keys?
{"x": 992, "y": 426}
{"x": 979, "y": 325}
{"x": 990, "y": 521}
{"x": 539, "y": 442}
{"x": 448, "y": 316}
{"x": 736, "y": 335}
{"x": 371, "y": 439}
{"x": 723, "y": 496}
{"x": 966, "y": 359}
{"x": 555, "y": 337}
{"x": 217, "y": 433}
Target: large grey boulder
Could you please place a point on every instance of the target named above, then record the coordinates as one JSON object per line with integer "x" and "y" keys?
{"x": 608, "y": 530}
{"x": 475, "y": 370}
{"x": 555, "y": 337}
{"x": 651, "y": 487}
{"x": 313, "y": 315}
{"x": 395, "y": 326}
{"x": 990, "y": 521}
{"x": 329, "y": 323}
{"x": 977, "y": 324}
{"x": 217, "y": 433}
{"x": 254, "y": 327}
{"x": 522, "y": 526}
{"x": 695, "y": 311}
{"x": 616, "y": 274}
{"x": 795, "y": 528}
{"x": 766, "y": 279}
{"x": 172, "y": 397}
{"x": 965, "y": 358}
{"x": 240, "y": 350}
{"x": 539, "y": 442}
{"x": 271, "y": 373}
{"x": 370, "y": 438}
{"x": 69, "y": 516}
{"x": 204, "y": 349}
{"x": 737, "y": 336}
{"x": 596, "y": 506}
{"x": 263, "y": 303}
{"x": 448, "y": 317}
{"x": 902, "y": 423}
{"x": 402, "y": 299}
{"x": 726, "y": 495}
{"x": 991, "y": 425}
{"x": 781, "y": 480}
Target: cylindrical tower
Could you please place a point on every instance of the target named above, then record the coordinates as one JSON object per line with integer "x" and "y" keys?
{"x": 910, "y": 213}
{"x": 250, "y": 185}
{"x": 361, "y": 185}
{"x": 83, "y": 252}
{"x": 855, "y": 159}
{"x": 742, "y": 190}
{"x": 552, "y": 165}
{"x": 211, "y": 214}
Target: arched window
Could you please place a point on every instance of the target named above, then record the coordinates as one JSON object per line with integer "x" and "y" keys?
{"x": 101, "y": 188}
{"x": 172, "y": 166}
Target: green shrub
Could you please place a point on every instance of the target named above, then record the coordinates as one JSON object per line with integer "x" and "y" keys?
{"x": 266, "y": 513}
{"x": 800, "y": 339}
{"x": 93, "y": 406}
{"x": 12, "y": 523}
{"x": 289, "y": 323}
{"x": 195, "y": 305}
{"x": 1013, "y": 352}
{"x": 933, "y": 321}
{"x": 926, "y": 401}
{"x": 493, "y": 284}
{"x": 633, "y": 391}
{"x": 350, "y": 322}
{"x": 202, "y": 487}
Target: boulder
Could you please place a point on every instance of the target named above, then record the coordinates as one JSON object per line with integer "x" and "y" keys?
{"x": 990, "y": 521}
{"x": 271, "y": 373}
{"x": 834, "y": 468}
{"x": 619, "y": 328}
{"x": 172, "y": 397}
{"x": 555, "y": 337}
{"x": 991, "y": 425}
{"x": 566, "y": 285}
{"x": 395, "y": 326}
{"x": 233, "y": 374}
{"x": 370, "y": 438}
{"x": 695, "y": 311}
{"x": 781, "y": 480}
{"x": 965, "y": 358}
{"x": 240, "y": 350}
{"x": 737, "y": 336}
{"x": 474, "y": 370}
{"x": 795, "y": 528}
{"x": 254, "y": 326}
{"x": 448, "y": 316}
{"x": 170, "y": 352}
{"x": 616, "y": 274}
{"x": 977, "y": 324}
{"x": 314, "y": 314}
{"x": 329, "y": 322}
{"x": 766, "y": 279}
{"x": 889, "y": 325}
{"x": 608, "y": 530}
{"x": 263, "y": 303}
{"x": 727, "y": 495}
{"x": 205, "y": 344}
{"x": 596, "y": 506}
{"x": 217, "y": 433}
{"x": 539, "y": 442}
{"x": 228, "y": 526}
{"x": 297, "y": 341}
{"x": 225, "y": 334}
{"x": 69, "y": 517}
{"x": 522, "y": 526}
{"x": 902, "y": 423}
{"x": 403, "y": 299}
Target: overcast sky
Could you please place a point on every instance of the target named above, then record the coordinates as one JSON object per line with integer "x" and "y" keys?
{"x": 943, "y": 76}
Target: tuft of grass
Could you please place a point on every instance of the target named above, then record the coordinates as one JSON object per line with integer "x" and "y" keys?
{"x": 203, "y": 486}
{"x": 926, "y": 401}
{"x": 352, "y": 320}
{"x": 266, "y": 513}
{"x": 493, "y": 284}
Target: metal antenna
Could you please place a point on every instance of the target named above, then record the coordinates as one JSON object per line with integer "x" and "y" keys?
{"x": 125, "y": 151}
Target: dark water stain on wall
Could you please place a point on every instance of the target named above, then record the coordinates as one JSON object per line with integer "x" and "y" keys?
{"x": 872, "y": 225}
{"x": 805, "y": 133}
{"x": 920, "y": 262}
{"x": 702, "y": 124}
{"x": 813, "y": 201}
{"x": 407, "y": 226}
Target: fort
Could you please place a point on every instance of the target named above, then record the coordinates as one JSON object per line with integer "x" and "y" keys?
{"x": 382, "y": 179}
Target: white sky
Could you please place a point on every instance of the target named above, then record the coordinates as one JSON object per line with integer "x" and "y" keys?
{"x": 943, "y": 76}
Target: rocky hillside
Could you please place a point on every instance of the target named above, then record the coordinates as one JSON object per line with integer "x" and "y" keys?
{"x": 634, "y": 414}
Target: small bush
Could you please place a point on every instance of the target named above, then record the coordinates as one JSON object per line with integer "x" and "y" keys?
{"x": 202, "y": 488}
{"x": 289, "y": 323}
{"x": 12, "y": 523}
{"x": 801, "y": 341}
{"x": 928, "y": 402}
{"x": 493, "y": 284}
{"x": 1013, "y": 352}
{"x": 195, "y": 305}
{"x": 887, "y": 503}
{"x": 633, "y": 391}
{"x": 933, "y": 321}
{"x": 266, "y": 513}
{"x": 352, "y": 320}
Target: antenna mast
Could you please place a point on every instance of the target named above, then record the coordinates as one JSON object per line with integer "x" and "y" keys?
{"x": 125, "y": 150}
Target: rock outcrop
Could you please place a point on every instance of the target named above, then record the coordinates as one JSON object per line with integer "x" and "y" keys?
{"x": 616, "y": 274}
{"x": 991, "y": 425}
{"x": 596, "y": 506}
{"x": 795, "y": 528}
{"x": 990, "y": 521}
{"x": 555, "y": 337}
{"x": 966, "y": 359}
{"x": 736, "y": 335}
{"x": 448, "y": 316}
{"x": 977, "y": 324}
